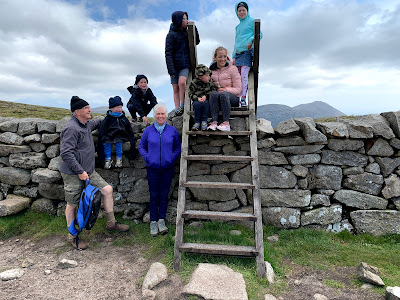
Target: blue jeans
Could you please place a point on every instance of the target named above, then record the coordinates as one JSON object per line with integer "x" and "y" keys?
{"x": 159, "y": 181}
{"x": 201, "y": 110}
{"x": 108, "y": 148}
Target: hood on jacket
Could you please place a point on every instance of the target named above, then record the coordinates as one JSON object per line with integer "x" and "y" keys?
{"x": 131, "y": 89}
{"x": 177, "y": 18}
{"x": 236, "y": 9}
{"x": 214, "y": 66}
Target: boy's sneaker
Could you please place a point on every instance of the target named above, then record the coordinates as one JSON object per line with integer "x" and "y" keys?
{"x": 243, "y": 102}
{"x": 213, "y": 126}
{"x": 107, "y": 165}
{"x": 118, "y": 164}
{"x": 203, "y": 125}
{"x": 153, "y": 228}
{"x": 196, "y": 126}
{"x": 161, "y": 226}
{"x": 224, "y": 127}
{"x": 76, "y": 243}
{"x": 179, "y": 111}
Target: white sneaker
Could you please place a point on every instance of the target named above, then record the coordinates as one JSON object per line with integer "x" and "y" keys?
{"x": 108, "y": 163}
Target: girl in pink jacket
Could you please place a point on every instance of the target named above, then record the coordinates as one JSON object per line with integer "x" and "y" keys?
{"x": 228, "y": 84}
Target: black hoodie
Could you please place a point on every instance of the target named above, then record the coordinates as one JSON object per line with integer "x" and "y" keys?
{"x": 177, "y": 45}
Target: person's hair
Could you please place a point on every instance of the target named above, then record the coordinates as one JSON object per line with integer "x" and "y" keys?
{"x": 160, "y": 105}
{"x": 220, "y": 48}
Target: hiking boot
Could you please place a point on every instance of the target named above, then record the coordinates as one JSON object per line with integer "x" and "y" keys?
{"x": 107, "y": 165}
{"x": 196, "y": 127}
{"x": 203, "y": 125}
{"x": 118, "y": 227}
{"x": 153, "y": 228}
{"x": 213, "y": 126}
{"x": 161, "y": 226}
{"x": 243, "y": 102}
{"x": 224, "y": 127}
{"x": 76, "y": 243}
{"x": 118, "y": 164}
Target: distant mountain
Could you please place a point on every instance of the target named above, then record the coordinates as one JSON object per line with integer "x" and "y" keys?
{"x": 100, "y": 109}
{"x": 277, "y": 112}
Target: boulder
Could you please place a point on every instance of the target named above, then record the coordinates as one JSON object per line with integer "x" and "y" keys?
{"x": 365, "y": 183}
{"x": 6, "y": 150}
{"x": 281, "y": 217}
{"x": 369, "y": 274}
{"x": 33, "y": 138}
{"x": 50, "y": 138}
{"x": 304, "y": 159}
{"x": 140, "y": 192}
{"x": 343, "y": 158}
{"x": 46, "y": 126}
{"x": 359, "y": 129}
{"x": 333, "y": 129}
{"x": 11, "y": 274}
{"x": 28, "y": 160}
{"x": 9, "y": 125}
{"x": 52, "y": 191}
{"x": 224, "y": 205}
{"x": 44, "y": 205}
{"x": 392, "y": 187}
{"x": 45, "y": 175}
{"x": 388, "y": 165}
{"x": 392, "y": 293}
{"x": 212, "y": 194}
{"x": 287, "y": 127}
{"x": 11, "y": 138}
{"x": 311, "y": 134}
{"x": 55, "y": 163}
{"x": 290, "y": 141}
{"x": 156, "y": 274}
{"x": 322, "y": 216}
{"x": 325, "y": 177}
{"x": 360, "y": 200}
{"x": 265, "y": 143}
{"x": 53, "y": 151}
{"x": 341, "y": 145}
{"x": 381, "y": 148}
{"x": 13, "y": 204}
{"x": 307, "y": 149}
{"x": 285, "y": 198}
{"x": 266, "y": 157}
{"x": 376, "y": 222}
{"x": 380, "y": 125}
{"x": 394, "y": 121}
{"x": 27, "y": 126}
{"x": 264, "y": 127}
{"x": 14, "y": 176}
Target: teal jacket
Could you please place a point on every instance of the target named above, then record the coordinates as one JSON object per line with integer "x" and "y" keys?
{"x": 244, "y": 33}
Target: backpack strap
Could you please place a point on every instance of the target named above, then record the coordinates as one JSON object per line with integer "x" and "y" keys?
{"x": 72, "y": 229}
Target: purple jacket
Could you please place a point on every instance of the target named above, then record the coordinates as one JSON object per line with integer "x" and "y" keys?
{"x": 160, "y": 151}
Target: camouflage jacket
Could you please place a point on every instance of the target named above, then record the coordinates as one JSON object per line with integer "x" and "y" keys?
{"x": 198, "y": 89}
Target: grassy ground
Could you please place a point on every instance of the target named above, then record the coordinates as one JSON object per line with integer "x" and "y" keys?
{"x": 304, "y": 247}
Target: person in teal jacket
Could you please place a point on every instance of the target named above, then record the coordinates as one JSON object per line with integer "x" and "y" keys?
{"x": 243, "y": 49}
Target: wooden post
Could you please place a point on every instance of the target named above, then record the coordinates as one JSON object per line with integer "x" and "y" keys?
{"x": 192, "y": 47}
{"x": 256, "y": 57}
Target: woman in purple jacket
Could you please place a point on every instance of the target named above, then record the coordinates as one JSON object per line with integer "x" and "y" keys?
{"x": 160, "y": 147}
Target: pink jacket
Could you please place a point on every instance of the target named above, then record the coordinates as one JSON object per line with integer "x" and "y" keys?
{"x": 227, "y": 77}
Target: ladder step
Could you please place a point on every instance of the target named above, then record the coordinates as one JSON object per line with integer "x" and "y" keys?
{"x": 219, "y": 249}
{"x": 233, "y": 112}
{"x": 210, "y": 132}
{"x": 219, "y": 157}
{"x": 218, "y": 215}
{"x": 218, "y": 185}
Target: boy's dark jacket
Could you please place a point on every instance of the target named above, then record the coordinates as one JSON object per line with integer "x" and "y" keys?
{"x": 140, "y": 98}
{"x": 198, "y": 89}
{"x": 115, "y": 129}
{"x": 177, "y": 45}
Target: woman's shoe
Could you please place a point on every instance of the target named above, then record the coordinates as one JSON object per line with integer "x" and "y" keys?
{"x": 224, "y": 127}
{"x": 213, "y": 126}
{"x": 161, "y": 226}
{"x": 153, "y": 228}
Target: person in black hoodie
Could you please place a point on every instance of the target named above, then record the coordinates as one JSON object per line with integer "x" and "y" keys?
{"x": 142, "y": 100}
{"x": 115, "y": 129}
{"x": 177, "y": 57}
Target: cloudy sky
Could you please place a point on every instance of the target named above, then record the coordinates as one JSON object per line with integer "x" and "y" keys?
{"x": 343, "y": 52}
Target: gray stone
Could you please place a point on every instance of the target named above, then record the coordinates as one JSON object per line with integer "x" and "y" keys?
{"x": 225, "y": 168}
{"x": 394, "y": 120}
{"x": 55, "y": 163}
{"x": 360, "y": 200}
{"x": 343, "y": 225}
{"x": 281, "y": 217}
{"x": 111, "y": 177}
{"x": 392, "y": 293}
{"x": 271, "y": 158}
{"x": 392, "y": 187}
{"x": 156, "y": 274}
{"x": 369, "y": 274}
{"x": 270, "y": 274}
{"x": 61, "y": 208}
{"x": 45, "y": 175}
{"x": 13, "y": 204}
{"x": 381, "y": 148}
{"x": 319, "y": 297}
{"x": 353, "y": 171}
{"x": 395, "y": 143}
{"x": 50, "y": 138}
{"x": 11, "y": 138}
{"x": 241, "y": 196}
{"x": 28, "y": 160}
{"x": 27, "y": 126}
{"x": 194, "y": 205}
{"x": 300, "y": 171}
{"x": 11, "y": 274}
{"x": 290, "y": 141}
{"x": 198, "y": 169}
{"x": 60, "y": 124}
{"x": 299, "y": 149}
{"x": 287, "y": 127}
{"x": 264, "y": 127}
{"x": 235, "y": 232}
{"x": 325, "y": 177}
{"x": 302, "y": 183}
{"x": 53, "y": 151}
{"x": 380, "y": 125}
{"x": 211, "y": 281}
{"x": 376, "y": 222}
{"x": 228, "y": 149}
{"x": 212, "y": 194}
{"x": 305, "y": 159}
{"x": 238, "y": 124}
{"x": 206, "y": 149}
{"x": 333, "y": 129}
{"x": 26, "y": 191}
{"x": 322, "y": 216}
{"x": 14, "y": 176}
{"x": 33, "y": 138}
{"x": 285, "y": 198}
{"x": 67, "y": 263}
{"x": 276, "y": 177}
{"x": 37, "y": 147}
{"x": 6, "y": 150}
{"x": 9, "y": 126}
{"x": 52, "y": 191}
{"x": 4, "y": 162}
{"x": 269, "y": 297}
{"x": 388, "y": 164}
{"x": 219, "y": 142}
{"x": 266, "y": 143}
{"x": 365, "y": 183}
{"x": 373, "y": 168}
{"x": 359, "y": 129}
{"x": 140, "y": 192}
{"x": 242, "y": 176}
{"x": 341, "y": 145}
{"x": 46, "y": 126}
{"x": 130, "y": 175}
{"x": 320, "y": 199}
{"x": 44, "y": 205}
{"x": 273, "y": 238}
{"x": 343, "y": 158}
{"x": 311, "y": 134}
{"x": 244, "y": 147}
{"x": 224, "y": 205}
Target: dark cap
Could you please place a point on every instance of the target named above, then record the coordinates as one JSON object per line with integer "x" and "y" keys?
{"x": 77, "y": 103}
{"x": 139, "y": 77}
{"x": 114, "y": 101}
{"x": 201, "y": 70}
{"x": 244, "y": 4}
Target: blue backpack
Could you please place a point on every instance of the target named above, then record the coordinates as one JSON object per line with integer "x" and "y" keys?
{"x": 88, "y": 209}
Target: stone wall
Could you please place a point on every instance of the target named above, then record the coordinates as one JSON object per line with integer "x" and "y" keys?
{"x": 341, "y": 175}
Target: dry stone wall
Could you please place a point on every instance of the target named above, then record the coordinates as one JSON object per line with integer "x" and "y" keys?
{"x": 341, "y": 175}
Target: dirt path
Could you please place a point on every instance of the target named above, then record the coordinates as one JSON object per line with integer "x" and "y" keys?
{"x": 105, "y": 271}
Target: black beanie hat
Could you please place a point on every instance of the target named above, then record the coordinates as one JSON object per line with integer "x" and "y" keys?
{"x": 244, "y": 4}
{"x": 77, "y": 103}
{"x": 139, "y": 77}
{"x": 114, "y": 101}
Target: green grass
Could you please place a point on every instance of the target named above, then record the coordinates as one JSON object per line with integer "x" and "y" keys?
{"x": 304, "y": 247}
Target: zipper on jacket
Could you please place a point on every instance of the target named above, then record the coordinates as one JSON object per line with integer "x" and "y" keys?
{"x": 160, "y": 150}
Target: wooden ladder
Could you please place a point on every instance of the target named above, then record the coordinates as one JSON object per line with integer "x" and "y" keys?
{"x": 257, "y": 250}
